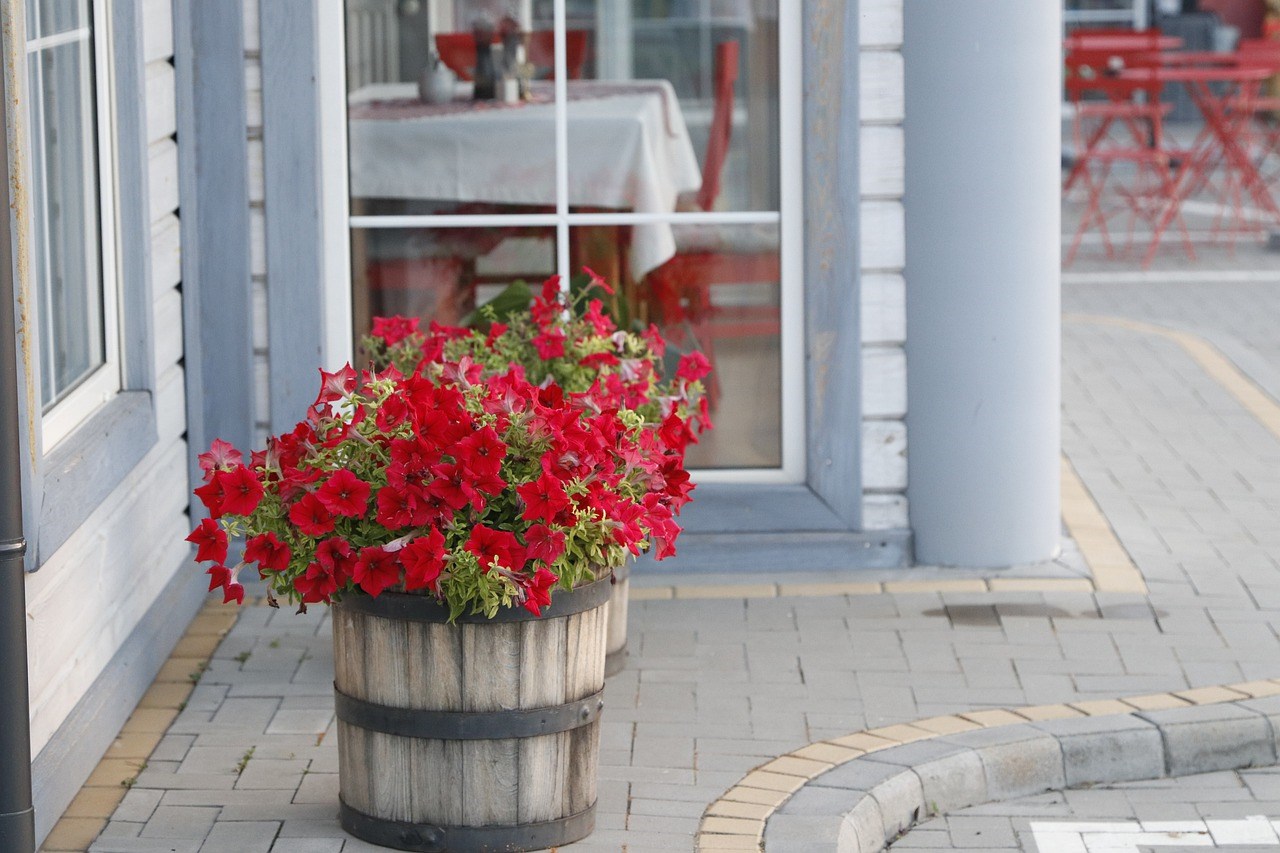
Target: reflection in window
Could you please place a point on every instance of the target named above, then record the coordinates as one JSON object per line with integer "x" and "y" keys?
{"x": 67, "y": 266}
{"x": 668, "y": 183}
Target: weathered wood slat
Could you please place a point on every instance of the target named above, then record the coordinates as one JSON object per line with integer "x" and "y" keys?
{"x": 490, "y": 768}
{"x": 542, "y": 682}
{"x": 386, "y": 658}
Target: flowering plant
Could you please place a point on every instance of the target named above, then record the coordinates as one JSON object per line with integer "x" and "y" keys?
{"x": 462, "y": 479}
{"x": 568, "y": 339}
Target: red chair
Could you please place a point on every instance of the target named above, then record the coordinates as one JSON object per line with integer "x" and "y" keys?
{"x": 458, "y": 51}
{"x": 1104, "y": 102}
{"x": 1245, "y": 15}
{"x": 708, "y": 256}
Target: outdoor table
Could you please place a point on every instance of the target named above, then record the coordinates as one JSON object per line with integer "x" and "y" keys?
{"x": 1226, "y": 116}
{"x": 629, "y": 150}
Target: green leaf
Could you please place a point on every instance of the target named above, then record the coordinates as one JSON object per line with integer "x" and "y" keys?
{"x": 514, "y": 299}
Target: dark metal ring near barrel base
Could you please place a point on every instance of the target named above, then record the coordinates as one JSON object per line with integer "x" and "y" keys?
{"x": 427, "y": 838}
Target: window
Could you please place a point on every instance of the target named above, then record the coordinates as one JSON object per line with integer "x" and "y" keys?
{"x": 658, "y": 143}
{"x": 71, "y": 211}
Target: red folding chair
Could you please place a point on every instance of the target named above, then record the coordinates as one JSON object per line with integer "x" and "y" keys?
{"x": 710, "y": 256}
{"x": 1121, "y": 159}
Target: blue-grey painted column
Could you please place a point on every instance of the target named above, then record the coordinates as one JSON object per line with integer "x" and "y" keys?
{"x": 213, "y": 181}
{"x": 983, "y": 136}
{"x": 291, "y": 187}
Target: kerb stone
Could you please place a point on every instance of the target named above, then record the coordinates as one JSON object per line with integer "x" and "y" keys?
{"x": 1097, "y": 750}
{"x": 1205, "y": 738}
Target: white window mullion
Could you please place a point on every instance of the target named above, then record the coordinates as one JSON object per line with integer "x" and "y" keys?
{"x": 36, "y": 45}
{"x": 747, "y": 217}
{"x": 562, "y": 145}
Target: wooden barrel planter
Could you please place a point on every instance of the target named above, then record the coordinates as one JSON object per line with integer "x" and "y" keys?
{"x": 616, "y": 656}
{"x": 481, "y": 735}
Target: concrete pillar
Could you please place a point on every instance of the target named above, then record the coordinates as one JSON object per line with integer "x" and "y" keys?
{"x": 983, "y": 139}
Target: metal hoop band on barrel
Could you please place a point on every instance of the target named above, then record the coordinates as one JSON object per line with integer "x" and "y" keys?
{"x": 423, "y": 608}
{"x": 467, "y": 725}
{"x": 426, "y": 838}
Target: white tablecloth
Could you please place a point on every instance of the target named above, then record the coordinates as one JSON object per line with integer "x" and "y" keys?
{"x": 628, "y": 150}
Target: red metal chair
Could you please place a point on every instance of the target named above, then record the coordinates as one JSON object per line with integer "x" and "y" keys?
{"x": 708, "y": 256}
{"x": 1103, "y": 103}
{"x": 1245, "y": 15}
{"x": 458, "y": 51}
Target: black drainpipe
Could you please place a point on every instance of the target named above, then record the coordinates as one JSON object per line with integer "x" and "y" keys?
{"x": 17, "y": 816}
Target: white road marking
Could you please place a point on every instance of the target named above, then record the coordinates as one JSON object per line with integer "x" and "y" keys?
{"x": 1129, "y": 836}
{"x": 1172, "y": 276}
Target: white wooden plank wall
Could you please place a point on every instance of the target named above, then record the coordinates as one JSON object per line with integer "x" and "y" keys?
{"x": 88, "y": 597}
{"x": 884, "y": 364}
{"x": 257, "y": 221}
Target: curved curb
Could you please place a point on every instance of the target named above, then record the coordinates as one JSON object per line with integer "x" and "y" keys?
{"x": 859, "y": 792}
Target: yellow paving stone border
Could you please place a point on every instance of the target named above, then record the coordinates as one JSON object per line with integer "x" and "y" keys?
{"x": 737, "y": 820}
{"x": 1211, "y": 360}
{"x": 128, "y": 754}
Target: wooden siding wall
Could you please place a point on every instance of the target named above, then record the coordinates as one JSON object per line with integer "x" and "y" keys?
{"x": 884, "y": 366}
{"x": 90, "y": 595}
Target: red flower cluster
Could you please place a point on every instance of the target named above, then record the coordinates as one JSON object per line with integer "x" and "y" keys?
{"x": 480, "y": 488}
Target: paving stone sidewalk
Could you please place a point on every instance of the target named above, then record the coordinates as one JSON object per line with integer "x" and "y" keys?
{"x": 1234, "y": 810}
{"x": 716, "y": 687}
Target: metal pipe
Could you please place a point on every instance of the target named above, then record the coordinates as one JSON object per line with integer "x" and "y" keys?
{"x": 17, "y": 815}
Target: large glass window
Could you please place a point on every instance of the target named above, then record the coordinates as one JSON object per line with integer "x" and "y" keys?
{"x": 646, "y": 139}
{"x": 71, "y": 255}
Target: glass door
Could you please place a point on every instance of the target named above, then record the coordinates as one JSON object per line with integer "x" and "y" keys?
{"x": 654, "y": 141}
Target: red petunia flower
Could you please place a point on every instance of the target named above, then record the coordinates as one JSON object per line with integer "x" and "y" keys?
{"x": 310, "y": 516}
{"x": 400, "y": 507}
{"x": 596, "y": 317}
{"x": 423, "y": 560}
{"x": 337, "y": 557}
{"x": 544, "y": 543}
{"x": 268, "y": 552}
{"x": 693, "y": 366}
{"x": 538, "y": 591}
{"x": 221, "y": 457}
{"x": 376, "y": 570}
{"x": 344, "y": 494}
{"x": 219, "y": 575}
{"x": 316, "y": 584}
{"x": 210, "y": 541}
{"x": 481, "y": 453}
{"x": 544, "y": 498}
{"x": 241, "y": 491}
{"x": 212, "y": 495}
{"x": 550, "y": 343}
{"x": 498, "y": 546}
{"x": 337, "y": 385}
{"x": 393, "y": 330}
{"x": 597, "y": 281}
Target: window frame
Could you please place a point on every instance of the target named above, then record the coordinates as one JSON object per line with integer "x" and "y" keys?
{"x": 64, "y": 483}
{"x": 97, "y": 387}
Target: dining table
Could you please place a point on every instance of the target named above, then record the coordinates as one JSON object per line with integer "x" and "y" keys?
{"x": 629, "y": 150}
{"x": 1224, "y": 87}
